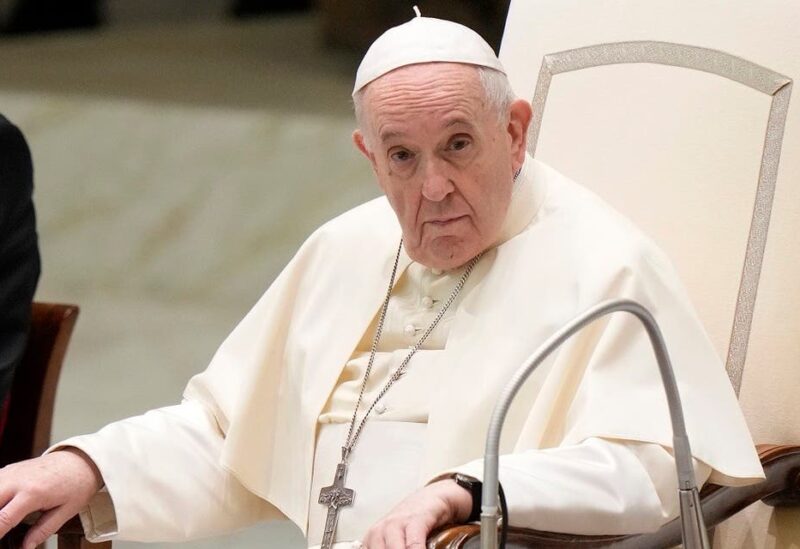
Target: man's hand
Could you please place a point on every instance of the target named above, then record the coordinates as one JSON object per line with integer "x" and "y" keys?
{"x": 58, "y": 484}
{"x": 410, "y": 522}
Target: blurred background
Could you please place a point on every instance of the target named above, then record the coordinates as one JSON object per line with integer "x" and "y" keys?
{"x": 182, "y": 151}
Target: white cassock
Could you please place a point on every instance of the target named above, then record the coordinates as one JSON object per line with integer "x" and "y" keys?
{"x": 587, "y": 442}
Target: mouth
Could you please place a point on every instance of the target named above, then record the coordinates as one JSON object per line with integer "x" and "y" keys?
{"x": 444, "y": 221}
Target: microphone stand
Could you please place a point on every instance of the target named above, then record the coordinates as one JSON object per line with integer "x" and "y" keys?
{"x": 693, "y": 528}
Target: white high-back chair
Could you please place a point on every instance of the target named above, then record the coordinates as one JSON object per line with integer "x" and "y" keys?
{"x": 680, "y": 114}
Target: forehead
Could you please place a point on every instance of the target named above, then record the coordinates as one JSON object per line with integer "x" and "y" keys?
{"x": 446, "y": 93}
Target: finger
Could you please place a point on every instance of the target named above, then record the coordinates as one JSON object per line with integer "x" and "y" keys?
{"x": 416, "y": 535}
{"x": 47, "y": 525}
{"x": 13, "y": 513}
{"x": 395, "y": 536}
{"x": 6, "y": 491}
{"x": 374, "y": 539}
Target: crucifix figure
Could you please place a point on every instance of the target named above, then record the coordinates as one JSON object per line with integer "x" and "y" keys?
{"x": 335, "y": 496}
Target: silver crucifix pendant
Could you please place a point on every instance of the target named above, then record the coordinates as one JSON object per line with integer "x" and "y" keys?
{"x": 335, "y": 496}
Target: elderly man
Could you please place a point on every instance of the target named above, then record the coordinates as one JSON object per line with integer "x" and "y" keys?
{"x": 353, "y": 398}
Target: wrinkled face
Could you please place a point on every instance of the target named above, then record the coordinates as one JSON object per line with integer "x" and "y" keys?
{"x": 443, "y": 158}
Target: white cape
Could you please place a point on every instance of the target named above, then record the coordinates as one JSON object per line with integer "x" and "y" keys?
{"x": 271, "y": 378}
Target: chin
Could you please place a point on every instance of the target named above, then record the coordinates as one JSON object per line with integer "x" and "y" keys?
{"x": 444, "y": 255}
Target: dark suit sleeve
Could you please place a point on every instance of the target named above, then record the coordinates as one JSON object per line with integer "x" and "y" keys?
{"x": 19, "y": 250}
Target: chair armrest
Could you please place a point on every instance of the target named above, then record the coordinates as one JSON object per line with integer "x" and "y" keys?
{"x": 787, "y": 458}
{"x": 70, "y": 535}
{"x": 468, "y": 536}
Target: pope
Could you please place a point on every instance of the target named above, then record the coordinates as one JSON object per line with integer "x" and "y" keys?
{"x": 354, "y": 397}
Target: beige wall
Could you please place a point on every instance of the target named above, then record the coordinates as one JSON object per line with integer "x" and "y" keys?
{"x": 678, "y": 151}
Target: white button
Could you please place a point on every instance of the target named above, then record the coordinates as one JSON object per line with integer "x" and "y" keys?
{"x": 356, "y": 545}
{"x": 437, "y": 272}
{"x": 410, "y": 330}
{"x": 427, "y": 302}
{"x": 380, "y": 408}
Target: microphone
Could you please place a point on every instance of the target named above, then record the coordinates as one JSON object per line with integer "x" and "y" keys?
{"x": 693, "y": 529}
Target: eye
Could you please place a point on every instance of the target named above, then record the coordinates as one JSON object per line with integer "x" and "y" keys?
{"x": 400, "y": 155}
{"x": 459, "y": 143}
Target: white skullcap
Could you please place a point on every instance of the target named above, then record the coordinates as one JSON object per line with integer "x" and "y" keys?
{"x": 424, "y": 40}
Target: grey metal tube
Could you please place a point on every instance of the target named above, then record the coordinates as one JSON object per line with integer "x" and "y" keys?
{"x": 683, "y": 454}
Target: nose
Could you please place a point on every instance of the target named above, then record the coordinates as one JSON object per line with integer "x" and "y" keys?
{"x": 436, "y": 184}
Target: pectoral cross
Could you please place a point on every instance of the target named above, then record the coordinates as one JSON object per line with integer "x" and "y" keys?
{"x": 335, "y": 496}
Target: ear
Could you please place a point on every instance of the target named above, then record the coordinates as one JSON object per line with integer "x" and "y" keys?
{"x": 520, "y": 114}
{"x": 361, "y": 145}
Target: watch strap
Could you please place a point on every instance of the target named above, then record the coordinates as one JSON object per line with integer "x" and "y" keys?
{"x": 475, "y": 488}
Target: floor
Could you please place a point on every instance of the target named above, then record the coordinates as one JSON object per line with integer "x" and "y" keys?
{"x": 177, "y": 168}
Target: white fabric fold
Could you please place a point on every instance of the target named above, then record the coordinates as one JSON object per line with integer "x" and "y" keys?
{"x": 164, "y": 480}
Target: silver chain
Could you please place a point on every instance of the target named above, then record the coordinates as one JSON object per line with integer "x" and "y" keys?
{"x": 352, "y": 437}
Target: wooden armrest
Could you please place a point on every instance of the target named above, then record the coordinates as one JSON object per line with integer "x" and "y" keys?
{"x": 780, "y": 488}
{"x": 468, "y": 535}
{"x": 70, "y": 535}
{"x": 72, "y": 527}
{"x": 788, "y": 459}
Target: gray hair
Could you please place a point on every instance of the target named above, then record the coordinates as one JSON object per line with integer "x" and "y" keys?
{"x": 498, "y": 92}
{"x": 496, "y": 89}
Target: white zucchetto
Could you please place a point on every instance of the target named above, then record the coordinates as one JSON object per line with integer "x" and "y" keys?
{"x": 424, "y": 40}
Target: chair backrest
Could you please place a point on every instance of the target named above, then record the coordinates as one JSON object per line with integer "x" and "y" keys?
{"x": 30, "y": 415}
{"x": 679, "y": 113}
{"x": 777, "y": 86}
{"x": 645, "y": 105}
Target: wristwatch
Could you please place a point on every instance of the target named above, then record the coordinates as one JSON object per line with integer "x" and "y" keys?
{"x": 475, "y": 488}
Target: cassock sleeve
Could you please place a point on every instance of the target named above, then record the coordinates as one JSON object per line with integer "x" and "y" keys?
{"x": 599, "y": 485}
{"x": 160, "y": 462}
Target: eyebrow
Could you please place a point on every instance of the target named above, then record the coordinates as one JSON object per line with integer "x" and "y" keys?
{"x": 457, "y": 121}
{"x": 386, "y": 136}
